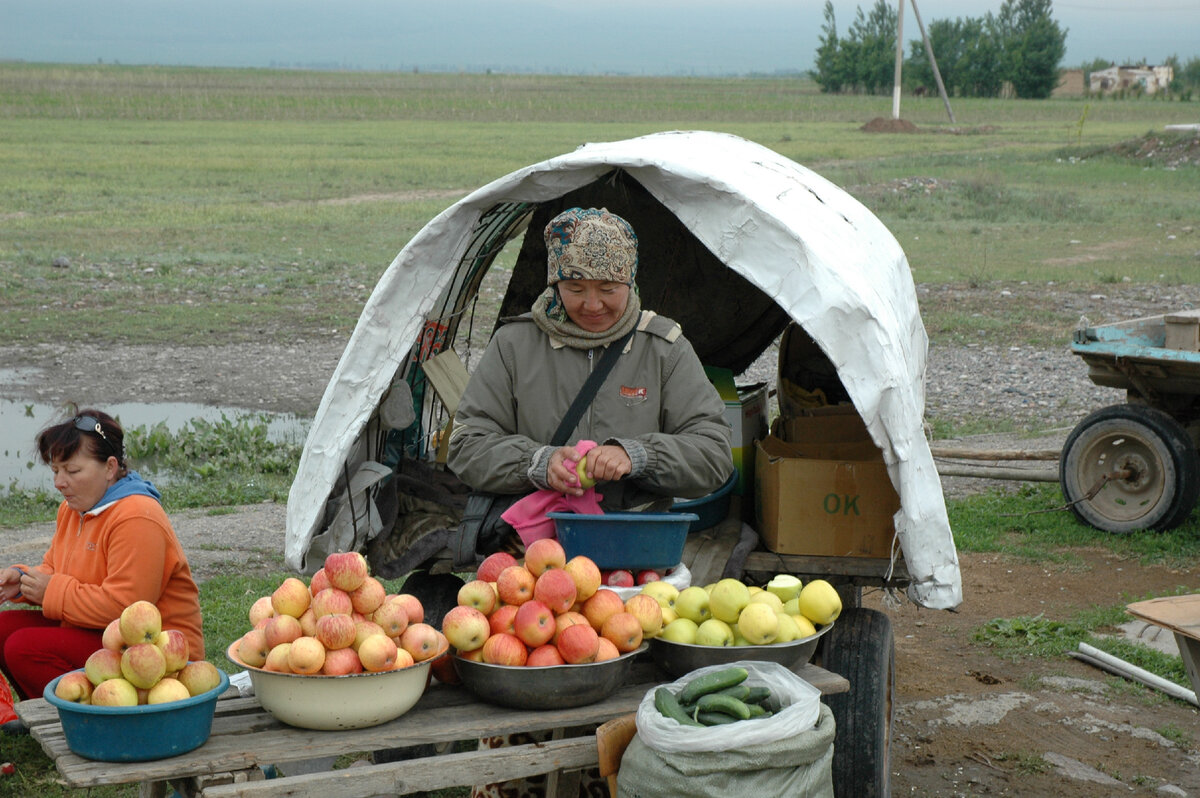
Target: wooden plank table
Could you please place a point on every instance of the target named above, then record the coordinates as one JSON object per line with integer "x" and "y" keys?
{"x": 246, "y": 739}
{"x": 1180, "y": 614}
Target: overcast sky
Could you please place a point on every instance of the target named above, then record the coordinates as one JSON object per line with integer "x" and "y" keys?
{"x": 625, "y": 36}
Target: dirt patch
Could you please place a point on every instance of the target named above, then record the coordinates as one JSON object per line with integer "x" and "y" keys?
{"x": 882, "y": 124}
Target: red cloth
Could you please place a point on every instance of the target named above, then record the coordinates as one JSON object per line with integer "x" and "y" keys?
{"x": 528, "y": 515}
{"x": 34, "y": 650}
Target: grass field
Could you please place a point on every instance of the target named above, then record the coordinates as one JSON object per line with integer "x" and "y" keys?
{"x": 239, "y": 203}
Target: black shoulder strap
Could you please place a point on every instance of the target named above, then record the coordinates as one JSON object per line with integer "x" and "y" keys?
{"x": 588, "y": 392}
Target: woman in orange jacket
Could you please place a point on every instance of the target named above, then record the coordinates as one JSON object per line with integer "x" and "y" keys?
{"x": 113, "y": 545}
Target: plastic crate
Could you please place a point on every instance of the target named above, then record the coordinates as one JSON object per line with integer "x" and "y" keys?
{"x": 625, "y": 540}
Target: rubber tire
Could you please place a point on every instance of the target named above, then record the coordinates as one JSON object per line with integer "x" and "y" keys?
{"x": 861, "y": 647}
{"x": 1148, "y": 437}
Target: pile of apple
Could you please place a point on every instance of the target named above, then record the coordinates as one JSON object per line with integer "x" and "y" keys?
{"x": 138, "y": 662}
{"x": 731, "y": 613}
{"x": 344, "y": 621}
{"x": 546, "y": 611}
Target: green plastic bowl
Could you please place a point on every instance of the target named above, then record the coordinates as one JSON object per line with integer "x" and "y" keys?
{"x": 137, "y": 734}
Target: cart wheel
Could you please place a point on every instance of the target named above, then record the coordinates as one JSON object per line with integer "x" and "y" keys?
{"x": 860, "y": 647}
{"x": 1164, "y": 467}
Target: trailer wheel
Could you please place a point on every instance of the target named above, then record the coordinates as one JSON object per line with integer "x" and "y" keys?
{"x": 861, "y": 648}
{"x": 1161, "y": 465}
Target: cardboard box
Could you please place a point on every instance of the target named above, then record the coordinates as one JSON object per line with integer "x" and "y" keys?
{"x": 823, "y": 498}
{"x": 748, "y": 417}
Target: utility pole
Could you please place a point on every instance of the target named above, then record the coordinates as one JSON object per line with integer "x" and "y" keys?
{"x": 899, "y": 59}
{"x": 937, "y": 75}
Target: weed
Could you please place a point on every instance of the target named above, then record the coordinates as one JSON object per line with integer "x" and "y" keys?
{"x": 1181, "y": 737}
{"x": 1024, "y": 763}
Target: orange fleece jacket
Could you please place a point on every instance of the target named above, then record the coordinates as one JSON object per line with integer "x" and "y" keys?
{"x": 102, "y": 563}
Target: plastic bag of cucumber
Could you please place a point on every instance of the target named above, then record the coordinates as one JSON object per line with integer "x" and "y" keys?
{"x": 725, "y": 728}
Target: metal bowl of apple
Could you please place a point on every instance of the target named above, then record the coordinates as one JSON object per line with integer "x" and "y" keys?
{"x": 679, "y": 659}
{"x": 346, "y": 701}
{"x": 137, "y": 733}
{"x": 548, "y": 686}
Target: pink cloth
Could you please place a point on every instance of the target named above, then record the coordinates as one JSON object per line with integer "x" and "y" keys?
{"x": 528, "y": 515}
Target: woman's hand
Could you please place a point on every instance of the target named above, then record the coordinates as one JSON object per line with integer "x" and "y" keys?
{"x": 33, "y": 585}
{"x": 10, "y": 584}
{"x": 604, "y": 464}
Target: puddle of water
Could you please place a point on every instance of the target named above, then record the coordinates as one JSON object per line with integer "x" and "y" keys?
{"x": 20, "y": 423}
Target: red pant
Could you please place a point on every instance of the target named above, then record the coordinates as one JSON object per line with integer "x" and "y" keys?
{"x": 34, "y": 650}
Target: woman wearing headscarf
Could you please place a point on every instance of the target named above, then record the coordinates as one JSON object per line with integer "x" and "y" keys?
{"x": 113, "y": 545}
{"x": 658, "y": 421}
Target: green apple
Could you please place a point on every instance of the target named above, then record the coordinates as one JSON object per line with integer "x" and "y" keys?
{"x": 680, "y": 630}
{"x": 770, "y": 599}
{"x": 820, "y": 602}
{"x": 806, "y": 626}
{"x": 738, "y": 640}
{"x": 788, "y": 629}
{"x": 786, "y": 586}
{"x": 758, "y": 623}
{"x": 792, "y": 606}
{"x": 663, "y": 592}
{"x": 727, "y": 599}
{"x": 714, "y": 633}
{"x": 581, "y": 471}
{"x": 692, "y": 603}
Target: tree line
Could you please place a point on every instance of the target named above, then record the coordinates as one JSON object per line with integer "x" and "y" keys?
{"x": 1020, "y": 46}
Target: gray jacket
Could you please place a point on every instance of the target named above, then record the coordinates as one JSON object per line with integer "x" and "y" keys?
{"x": 657, "y": 403}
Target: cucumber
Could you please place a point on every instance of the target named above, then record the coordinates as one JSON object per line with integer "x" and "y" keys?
{"x": 715, "y": 718}
{"x": 757, "y": 695}
{"x": 758, "y": 711}
{"x": 666, "y": 703}
{"x": 739, "y": 691}
{"x": 711, "y": 683}
{"x": 715, "y": 702}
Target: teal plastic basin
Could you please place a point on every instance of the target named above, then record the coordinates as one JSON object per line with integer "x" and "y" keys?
{"x": 625, "y": 540}
{"x": 710, "y": 510}
{"x": 137, "y": 734}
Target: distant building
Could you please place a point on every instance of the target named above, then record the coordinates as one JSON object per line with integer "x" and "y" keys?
{"x": 1147, "y": 79}
{"x": 1070, "y": 83}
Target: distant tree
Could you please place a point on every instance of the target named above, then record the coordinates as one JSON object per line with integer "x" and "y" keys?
{"x": 828, "y": 73}
{"x": 872, "y": 41}
{"x": 1190, "y": 73}
{"x": 1032, "y": 44}
{"x": 968, "y": 60}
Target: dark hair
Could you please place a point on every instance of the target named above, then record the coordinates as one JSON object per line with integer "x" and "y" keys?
{"x": 97, "y": 432}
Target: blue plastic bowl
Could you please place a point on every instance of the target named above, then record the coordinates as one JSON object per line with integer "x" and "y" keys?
{"x": 625, "y": 540}
{"x": 711, "y": 509}
{"x": 137, "y": 734}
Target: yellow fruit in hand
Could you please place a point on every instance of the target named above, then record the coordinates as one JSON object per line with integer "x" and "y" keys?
{"x": 820, "y": 602}
{"x": 581, "y": 471}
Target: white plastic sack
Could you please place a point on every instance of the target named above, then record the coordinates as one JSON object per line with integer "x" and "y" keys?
{"x": 800, "y": 707}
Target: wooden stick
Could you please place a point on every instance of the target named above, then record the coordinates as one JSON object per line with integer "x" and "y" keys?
{"x": 995, "y": 454}
{"x": 998, "y": 472}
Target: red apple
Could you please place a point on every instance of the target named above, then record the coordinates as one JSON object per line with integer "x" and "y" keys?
{"x": 367, "y": 597}
{"x": 253, "y": 649}
{"x": 504, "y": 649}
{"x": 277, "y": 659}
{"x": 199, "y": 677}
{"x": 393, "y": 616}
{"x": 544, "y": 656}
{"x": 140, "y": 622}
{"x": 74, "y": 686}
{"x": 346, "y": 570}
{"x": 556, "y": 589}
{"x": 166, "y": 691}
{"x": 543, "y": 554}
{"x": 111, "y": 639}
{"x": 619, "y": 578}
{"x": 319, "y": 582}
{"x": 282, "y": 629}
{"x": 291, "y": 597}
{"x": 565, "y": 619}
{"x": 515, "y": 585}
{"x": 174, "y": 647}
{"x": 115, "y": 693}
{"x": 473, "y": 656}
{"x": 578, "y": 644}
{"x": 534, "y": 623}
{"x": 501, "y": 619}
{"x": 261, "y": 608}
{"x": 143, "y": 664}
{"x": 102, "y": 665}
{"x": 648, "y": 575}
{"x": 493, "y": 564}
{"x": 624, "y": 630}
{"x": 308, "y": 622}
{"x": 336, "y": 631}
{"x": 480, "y": 595}
{"x": 648, "y": 612}
{"x": 421, "y": 640}
{"x": 600, "y": 606}
{"x": 306, "y": 655}
{"x": 466, "y": 627}
{"x": 412, "y": 605}
{"x": 606, "y": 650}
{"x": 363, "y": 629}
{"x": 443, "y": 669}
{"x": 341, "y": 661}
{"x": 332, "y": 601}
{"x": 378, "y": 653}
{"x": 586, "y": 575}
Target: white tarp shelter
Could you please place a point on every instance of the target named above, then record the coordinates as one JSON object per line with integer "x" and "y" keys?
{"x": 800, "y": 246}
